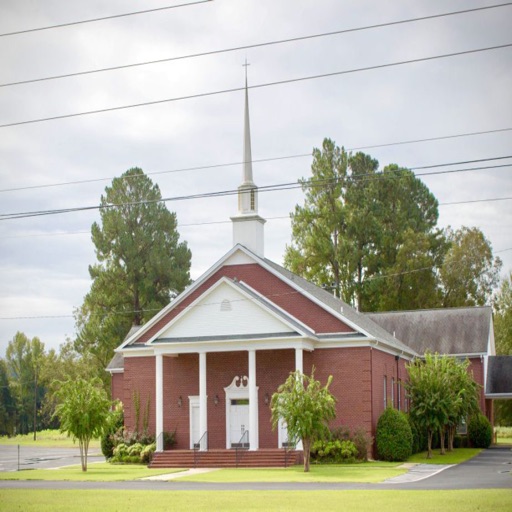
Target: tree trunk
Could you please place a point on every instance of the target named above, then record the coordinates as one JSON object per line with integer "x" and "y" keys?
{"x": 35, "y": 404}
{"x": 451, "y": 436}
{"x": 306, "y": 445}
{"x": 442, "y": 431}
{"x": 429, "y": 436}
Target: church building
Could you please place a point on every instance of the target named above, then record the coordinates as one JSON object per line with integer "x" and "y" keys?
{"x": 206, "y": 366}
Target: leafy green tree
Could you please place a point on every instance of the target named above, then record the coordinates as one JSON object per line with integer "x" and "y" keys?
{"x": 430, "y": 403}
{"x": 442, "y": 393}
{"x": 7, "y": 403}
{"x": 141, "y": 265}
{"x": 83, "y": 411}
{"x": 503, "y": 339}
{"x": 464, "y": 394}
{"x": 359, "y": 224}
{"x": 24, "y": 359}
{"x": 503, "y": 317}
{"x": 469, "y": 272}
{"x": 306, "y": 407}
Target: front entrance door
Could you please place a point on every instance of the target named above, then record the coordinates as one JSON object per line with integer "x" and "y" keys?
{"x": 239, "y": 423}
{"x": 282, "y": 434}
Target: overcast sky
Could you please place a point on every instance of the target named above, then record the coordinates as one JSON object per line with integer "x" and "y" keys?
{"x": 44, "y": 260}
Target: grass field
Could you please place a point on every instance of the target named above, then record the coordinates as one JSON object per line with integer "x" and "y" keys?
{"x": 361, "y": 473}
{"x": 47, "y": 439}
{"x": 97, "y": 472}
{"x": 348, "y": 501}
{"x": 456, "y": 457}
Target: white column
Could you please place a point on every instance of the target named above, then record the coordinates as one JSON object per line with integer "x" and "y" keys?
{"x": 203, "y": 413}
{"x": 299, "y": 360}
{"x": 253, "y": 403}
{"x": 299, "y": 365}
{"x": 159, "y": 392}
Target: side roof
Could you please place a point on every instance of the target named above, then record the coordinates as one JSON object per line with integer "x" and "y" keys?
{"x": 338, "y": 306}
{"x": 446, "y": 331}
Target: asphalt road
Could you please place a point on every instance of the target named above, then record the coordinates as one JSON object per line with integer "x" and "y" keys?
{"x": 492, "y": 469}
{"x": 41, "y": 458}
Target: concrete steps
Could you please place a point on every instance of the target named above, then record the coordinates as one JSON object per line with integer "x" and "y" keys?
{"x": 225, "y": 459}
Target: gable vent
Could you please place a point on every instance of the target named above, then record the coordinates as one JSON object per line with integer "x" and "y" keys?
{"x": 225, "y": 305}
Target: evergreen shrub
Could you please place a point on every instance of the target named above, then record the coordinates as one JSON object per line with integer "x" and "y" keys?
{"x": 393, "y": 437}
{"x": 479, "y": 431}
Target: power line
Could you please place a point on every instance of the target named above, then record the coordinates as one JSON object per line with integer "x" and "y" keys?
{"x": 114, "y": 16}
{"x": 258, "y": 86}
{"x": 250, "y": 46}
{"x": 223, "y": 193}
{"x": 261, "y": 160}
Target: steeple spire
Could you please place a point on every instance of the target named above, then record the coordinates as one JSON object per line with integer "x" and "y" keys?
{"x": 247, "y": 224}
{"x": 247, "y": 134}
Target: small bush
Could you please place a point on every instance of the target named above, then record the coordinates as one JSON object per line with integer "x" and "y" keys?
{"x": 147, "y": 453}
{"x": 120, "y": 451}
{"x": 334, "y": 451}
{"x": 135, "y": 449}
{"x": 394, "y": 436}
{"x": 169, "y": 440}
{"x": 114, "y": 426}
{"x": 362, "y": 442}
{"x": 479, "y": 431}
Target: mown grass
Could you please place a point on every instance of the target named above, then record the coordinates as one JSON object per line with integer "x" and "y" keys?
{"x": 503, "y": 435}
{"x": 96, "y": 472}
{"x": 456, "y": 457}
{"x": 46, "y": 439}
{"x": 348, "y": 501}
{"x": 371, "y": 472}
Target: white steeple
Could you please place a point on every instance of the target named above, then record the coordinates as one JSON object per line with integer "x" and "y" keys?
{"x": 247, "y": 224}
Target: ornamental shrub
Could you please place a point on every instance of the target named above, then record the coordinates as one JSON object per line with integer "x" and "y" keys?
{"x": 334, "y": 451}
{"x": 362, "y": 442}
{"x": 147, "y": 453}
{"x": 393, "y": 436}
{"x": 479, "y": 431}
{"x": 113, "y": 429}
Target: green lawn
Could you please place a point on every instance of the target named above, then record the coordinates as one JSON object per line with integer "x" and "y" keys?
{"x": 372, "y": 472}
{"x": 46, "y": 439}
{"x": 504, "y": 440}
{"x": 97, "y": 472}
{"x": 348, "y": 501}
{"x": 456, "y": 457}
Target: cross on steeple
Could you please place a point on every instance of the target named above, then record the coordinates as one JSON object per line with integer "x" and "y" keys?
{"x": 245, "y": 66}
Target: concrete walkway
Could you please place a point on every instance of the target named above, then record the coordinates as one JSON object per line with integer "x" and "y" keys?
{"x": 179, "y": 474}
{"x": 417, "y": 472}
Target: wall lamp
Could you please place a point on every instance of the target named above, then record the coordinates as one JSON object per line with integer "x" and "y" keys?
{"x": 267, "y": 399}
{"x": 180, "y": 401}
{"x": 216, "y": 400}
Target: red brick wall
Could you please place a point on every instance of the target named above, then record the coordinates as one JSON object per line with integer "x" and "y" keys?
{"x": 139, "y": 376}
{"x": 351, "y": 384}
{"x": 116, "y": 386}
{"x": 268, "y": 285}
{"x": 476, "y": 367}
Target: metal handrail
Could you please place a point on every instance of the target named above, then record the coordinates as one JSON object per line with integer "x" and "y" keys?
{"x": 197, "y": 447}
{"x": 240, "y": 446}
{"x": 289, "y": 446}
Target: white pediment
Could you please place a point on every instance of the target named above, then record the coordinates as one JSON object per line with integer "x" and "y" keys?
{"x": 225, "y": 310}
{"x": 239, "y": 257}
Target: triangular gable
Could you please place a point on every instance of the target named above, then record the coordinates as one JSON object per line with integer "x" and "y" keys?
{"x": 225, "y": 310}
{"x": 240, "y": 257}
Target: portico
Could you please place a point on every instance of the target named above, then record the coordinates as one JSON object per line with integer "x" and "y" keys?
{"x": 241, "y": 395}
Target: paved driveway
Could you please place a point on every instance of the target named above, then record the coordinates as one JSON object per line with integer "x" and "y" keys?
{"x": 41, "y": 458}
